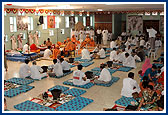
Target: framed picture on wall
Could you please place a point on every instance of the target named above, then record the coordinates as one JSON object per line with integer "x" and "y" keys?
{"x": 51, "y": 21}
{"x": 72, "y": 21}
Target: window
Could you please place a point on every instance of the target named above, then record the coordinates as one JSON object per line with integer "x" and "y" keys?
{"x": 51, "y": 32}
{"x": 76, "y": 19}
{"x": 84, "y": 21}
{"x": 30, "y": 23}
{"x": 6, "y": 37}
{"x": 91, "y": 20}
{"x": 5, "y": 13}
{"x": 45, "y": 22}
{"x": 39, "y": 34}
{"x": 24, "y": 36}
{"x": 57, "y": 20}
{"x": 147, "y": 13}
{"x": 62, "y": 31}
{"x": 67, "y": 21}
{"x": 37, "y": 13}
{"x": 161, "y": 13}
{"x": 13, "y": 27}
{"x": 154, "y": 13}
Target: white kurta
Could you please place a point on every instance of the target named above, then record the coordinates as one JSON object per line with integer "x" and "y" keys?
{"x": 85, "y": 54}
{"x": 112, "y": 44}
{"x": 152, "y": 32}
{"x": 14, "y": 44}
{"x": 96, "y": 49}
{"x": 158, "y": 43}
{"x": 129, "y": 62}
{"x": 127, "y": 43}
{"x": 35, "y": 72}
{"x": 58, "y": 69}
{"x": 101, "y": 53}
{"x": 128, "y": 85}
{"x": 142, "y": 42}
{"x": 65, "y": 65}
{"x": 25, "y": 48}
{"x": 105, "y": 75}
{"x": 92, "y": 34}
{"x": 128, "y": 50}
{"x": 47, "y": 54}
{"x": 77, "y": 78}
{"x": 24, "y": 70}
{"x": 122, "y": 56}
{"x": 105, "y": 36}
{"x": 112, "y": 55}
{"x": 118, "y": 57}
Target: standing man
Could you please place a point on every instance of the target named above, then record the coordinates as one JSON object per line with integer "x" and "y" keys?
{"x": 105, "y": 36}
{"x": 99, "y": 32}
{"x": 152, "y": 34}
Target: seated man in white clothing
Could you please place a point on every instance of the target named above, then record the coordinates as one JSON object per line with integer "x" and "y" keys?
{"x": 118, "y": 57}
{"x": 24, "y": 69}
{"x": 130, "y": 86}
{"x": 113, "y": 44}
{"x": 105, "y": 76}
{"x": 136, "y": 57}
{"x": 36, "y": 71}
{"x": 57, "y": 69}
{"x": 101, "y": 53}
{"x": 128, "y": 49}
{"x": 65, "y": 66}
{"x": 79, "y": 77}
{"x": 96, "y": 49}
{"x": 113, "y": 54}
{"x": 85, "y": 54}
{"x": 26, "y": 48}
{"x": 129, "y": 61}
{"x": 47, "y": 53}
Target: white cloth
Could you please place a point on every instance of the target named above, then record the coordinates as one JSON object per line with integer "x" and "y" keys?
{"x": 112, "y": 55}
{"x": 137, "y": 58}
{"x": 58, "y": 69}
{"x": 35, "y": 72}
{"x": 79, "y": 74}
{"x": 101, "y": 53}
{"x": 118, "y": 57}
{"x": 24, "y": 70}
{"x": 25, "y": 48}
{"x": 112, "y": 44}
{"x": 129, "y": 62}
{"x": 31, "y": 41}
{"x": 127, "y": 43}
{"x": 142, "y": 42}
{"x": 105, "y": 75}
{"x": 85, "y": 54}
{"x": 128, "y": 85}
{"x": 96, "y": 49}
{"x": 47, "y": 54}
{"x": 105, "y": 36}
{"x": 20, "y": 41}
{"x": 65, "y": 65}
{"x": 122, "y": 56}
{"x": 152, "y": 32}
{"x": 128, "y": 50}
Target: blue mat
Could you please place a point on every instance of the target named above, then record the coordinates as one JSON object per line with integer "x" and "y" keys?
{"x": 109, "y": 49}
{"x": 86, "y": 64}
{"x": 96, "y": 69}
{"x": 63, "y": 88}
{"x": 125, "y": 101}
{"x": 124, "y": 69}
{"x": 62, "y": 75}
{"x": 31, "y": 106}
{"x": 28, "y": 77}
{"x": 86, "y": 86}
{"x": 114, "y": 79}
{"x": 75, "y": 104}
{"x": 75, "y": 92}
{"x": 16, "y": 91}
{"x": 71, "y": 66}
{"x": 20, "y": 81}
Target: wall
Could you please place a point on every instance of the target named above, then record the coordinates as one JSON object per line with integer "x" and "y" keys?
{"x": 44, "y": 32}
{"x": 145, "y": 17}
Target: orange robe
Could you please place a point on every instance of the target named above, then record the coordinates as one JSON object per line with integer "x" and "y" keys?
{"x": 92, "y": 43}
{"x": 73, "y": 39}
{"x": 56, "y": 52}
{"x": 70, "y": 46}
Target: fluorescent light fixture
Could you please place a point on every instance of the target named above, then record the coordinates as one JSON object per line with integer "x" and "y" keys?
{"x": 58, "y": 7}
{"x": 99, "y": 9}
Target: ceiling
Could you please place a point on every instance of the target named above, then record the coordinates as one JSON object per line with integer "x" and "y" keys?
{"x": 93, "y": 6}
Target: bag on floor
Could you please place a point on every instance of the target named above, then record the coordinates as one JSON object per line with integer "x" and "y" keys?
{"x": 71, "y": 60}
{"x": 56, "y": 93}
{"x": 109, "y": 63}
{"x": 44, "y": 68}
{"x": 89, "y": 74}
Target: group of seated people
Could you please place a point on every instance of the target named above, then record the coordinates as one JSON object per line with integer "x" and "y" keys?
{"x": 59, "y": 67}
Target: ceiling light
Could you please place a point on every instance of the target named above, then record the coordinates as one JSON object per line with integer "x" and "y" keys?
{"x": 99, "y": 9}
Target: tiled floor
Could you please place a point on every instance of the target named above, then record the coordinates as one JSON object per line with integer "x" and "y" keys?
{"x": 103, "y": 97}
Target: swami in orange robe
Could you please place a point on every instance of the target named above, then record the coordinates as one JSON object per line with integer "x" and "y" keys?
{"x": 86, "y": 41}
{"x": 73, "y": 38}
{"x": 92, "y": 43}
{"x": 70, "y": 45}
{"x": 56, "y": 52}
